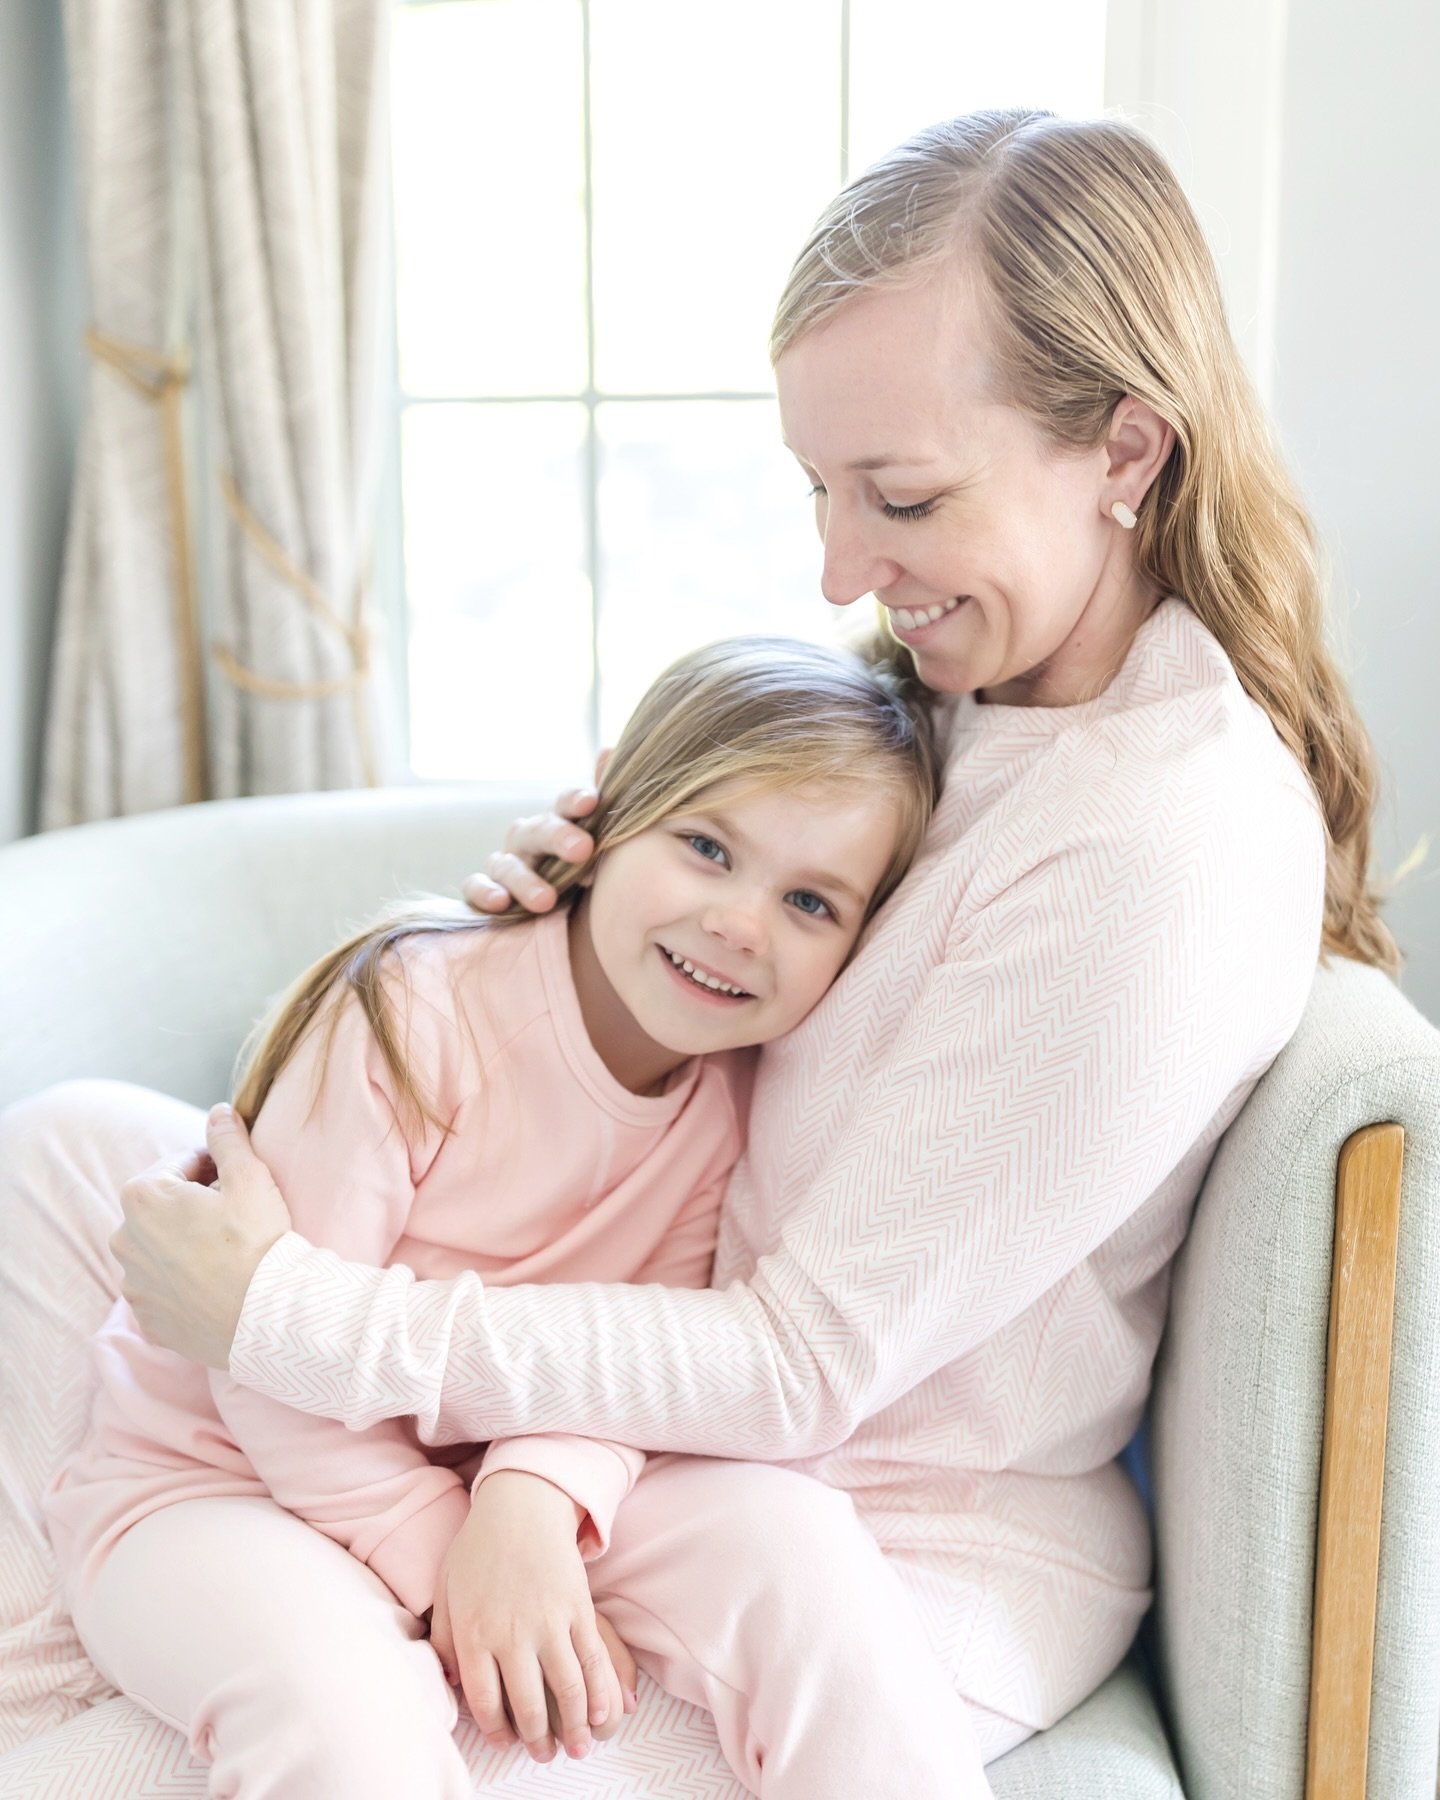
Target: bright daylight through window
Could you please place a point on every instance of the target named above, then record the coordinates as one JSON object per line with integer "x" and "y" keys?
{"x": 596, "y": 206}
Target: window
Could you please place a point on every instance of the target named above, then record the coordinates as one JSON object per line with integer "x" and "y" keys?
{"x": 597, "y": 202}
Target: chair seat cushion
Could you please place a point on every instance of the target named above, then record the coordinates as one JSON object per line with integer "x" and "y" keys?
{"x": 1110, "y": 1747}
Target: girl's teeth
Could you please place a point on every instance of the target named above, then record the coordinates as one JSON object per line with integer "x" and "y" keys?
{"x": 909, "y": 619}
{"x": 709, "y": 981}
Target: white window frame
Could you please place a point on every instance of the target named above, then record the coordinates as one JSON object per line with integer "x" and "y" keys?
{"x": 1205, "y": 83}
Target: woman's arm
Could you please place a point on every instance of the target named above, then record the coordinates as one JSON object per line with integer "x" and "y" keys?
{"x": 1092, "y": 1018}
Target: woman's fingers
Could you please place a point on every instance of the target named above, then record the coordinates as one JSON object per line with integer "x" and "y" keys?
{"x": 525, "y": 1692}
{"x": 509, "y": 874}
{"x": 514, "y": 874}
{"x": 483, "y": 895}
{"x": 547, "y": 834}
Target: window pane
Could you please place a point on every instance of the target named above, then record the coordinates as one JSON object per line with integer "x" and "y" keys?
{"x": 716, "y": 143}
{"x": 706, "y": 531}
{"x": 913, "y": 63}
{"x": 489, "y": 197}
{"x": 500, "y": 666}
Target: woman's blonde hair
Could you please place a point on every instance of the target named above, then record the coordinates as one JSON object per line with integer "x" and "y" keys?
{"x": 768, "y": 713}
{"x": 1096, "y": 283}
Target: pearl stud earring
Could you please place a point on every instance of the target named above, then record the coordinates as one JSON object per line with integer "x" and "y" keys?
{"x": 1122, "y": 515}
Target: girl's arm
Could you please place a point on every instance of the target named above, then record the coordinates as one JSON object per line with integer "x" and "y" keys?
{"x": 1093, "y": 1017}
{"x": 328, "y": 1129}
{"x": 597, "y": 1473}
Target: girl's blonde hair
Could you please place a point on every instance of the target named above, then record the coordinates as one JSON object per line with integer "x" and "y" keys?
{"x": 1096, "y": 283}
{"x": 750, "y": 713}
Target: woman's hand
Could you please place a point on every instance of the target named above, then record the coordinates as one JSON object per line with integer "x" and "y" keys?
{"x": 509, "y": 873}
{"x": 513, "y": 1615}
{"x": 188, "y": 1249}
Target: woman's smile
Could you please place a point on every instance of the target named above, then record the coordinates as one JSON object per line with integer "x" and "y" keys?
{"x": 911, "y": 624}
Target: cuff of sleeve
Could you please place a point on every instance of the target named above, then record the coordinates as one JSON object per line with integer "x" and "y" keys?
{"x": 594, "y": 1475}
{"x": 408, "y": 1560}
{"x": 265, "y": 1302}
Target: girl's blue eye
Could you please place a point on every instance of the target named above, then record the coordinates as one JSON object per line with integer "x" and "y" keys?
{"x": 921, "y": 510}
{"x": 705, "y": 846}
{"x": 810, "y": 904}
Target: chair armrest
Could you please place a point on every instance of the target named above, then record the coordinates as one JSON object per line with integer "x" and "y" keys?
{"x": 1352, "y": 1460}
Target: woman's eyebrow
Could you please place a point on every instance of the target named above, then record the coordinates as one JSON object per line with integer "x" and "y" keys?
{"x": 886, "y": 460}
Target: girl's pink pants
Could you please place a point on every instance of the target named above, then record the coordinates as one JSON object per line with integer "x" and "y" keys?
{"x": 753, "y": 1591}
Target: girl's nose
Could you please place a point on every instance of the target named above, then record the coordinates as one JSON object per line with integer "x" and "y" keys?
{"x": 853, "y": 567}
{"x": 739, "y": 925}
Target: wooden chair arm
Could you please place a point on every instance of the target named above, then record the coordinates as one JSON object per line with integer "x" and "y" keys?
{"x": 1352, "y": 1468}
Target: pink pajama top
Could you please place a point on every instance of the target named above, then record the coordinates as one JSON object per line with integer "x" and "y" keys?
{"x": 945, "y": 1257}
{"x": 550, "y": 1170}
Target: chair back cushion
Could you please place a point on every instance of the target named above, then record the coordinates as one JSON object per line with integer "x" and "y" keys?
{"x": 144, "y": 948}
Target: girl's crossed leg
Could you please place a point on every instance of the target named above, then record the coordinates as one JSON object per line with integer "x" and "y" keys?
{"x": 290, "y": 1666}
{"x": 759, "y": 1594}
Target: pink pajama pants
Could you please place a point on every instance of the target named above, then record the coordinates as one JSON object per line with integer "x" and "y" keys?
{"x": 753, "y": 1591}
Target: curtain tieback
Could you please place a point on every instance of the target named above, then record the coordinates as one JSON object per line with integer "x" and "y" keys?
{"x": 356, "y": 637}
{"x": 162, "y": 380}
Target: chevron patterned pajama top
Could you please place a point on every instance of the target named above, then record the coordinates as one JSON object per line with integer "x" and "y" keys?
{"x": 944, "y": 1259}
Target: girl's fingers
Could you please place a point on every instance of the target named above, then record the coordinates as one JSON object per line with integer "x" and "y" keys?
{"x": 486, "y": 1699}
{"x": 525, "y": 1695}
{"x": 441, "y": 1640}
{"x": 566, "y": 1682}
{"x": 602, "y": 1684}
{"x": 621, "y": 1659}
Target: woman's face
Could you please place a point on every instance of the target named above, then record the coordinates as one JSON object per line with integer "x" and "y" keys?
{"x": 996, "y": 560}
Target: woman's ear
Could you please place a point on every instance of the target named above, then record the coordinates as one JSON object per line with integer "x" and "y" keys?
{"x": 601, "y": 763}
{"x": 1138, "y": 445}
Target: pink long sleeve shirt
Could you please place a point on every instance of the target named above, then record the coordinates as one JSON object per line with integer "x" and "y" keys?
{"x": 945, "y": 1257}
{"x": 550, "y": 1170}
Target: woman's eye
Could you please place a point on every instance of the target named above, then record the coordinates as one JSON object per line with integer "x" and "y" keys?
{"x": 705, "y": 846}
{"x": 921, "y": 510}
{"x": 810, "y": 904}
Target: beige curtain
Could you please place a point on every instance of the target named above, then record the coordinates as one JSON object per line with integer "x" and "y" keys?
{"x": 213, "y": 636}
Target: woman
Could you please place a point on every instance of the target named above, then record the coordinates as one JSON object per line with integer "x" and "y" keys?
{"x": 1004, "y": 368}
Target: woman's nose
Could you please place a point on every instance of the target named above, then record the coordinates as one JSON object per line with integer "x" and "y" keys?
{"x": 853, "y": 568}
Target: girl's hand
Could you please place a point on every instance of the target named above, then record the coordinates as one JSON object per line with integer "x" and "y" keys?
{"x": 509, "y": 873}
{"x": 513, "y": 1616}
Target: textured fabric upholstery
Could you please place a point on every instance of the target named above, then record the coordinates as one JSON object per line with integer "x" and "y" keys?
{"x": 143, "y": 949}
{"x": 1237, "y": 1412}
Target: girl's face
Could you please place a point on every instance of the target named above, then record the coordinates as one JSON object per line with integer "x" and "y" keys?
{"x": 724, "y": 925}
{"x": 997, "y": 561}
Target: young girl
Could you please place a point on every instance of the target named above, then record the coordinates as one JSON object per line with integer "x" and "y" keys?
{"x": 533, "y": 1100}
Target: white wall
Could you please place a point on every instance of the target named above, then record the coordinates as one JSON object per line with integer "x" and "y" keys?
{"x": 41, "y": 318}
{"x": 1357, "y": 390}
{"x": 1308, "y": 136}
